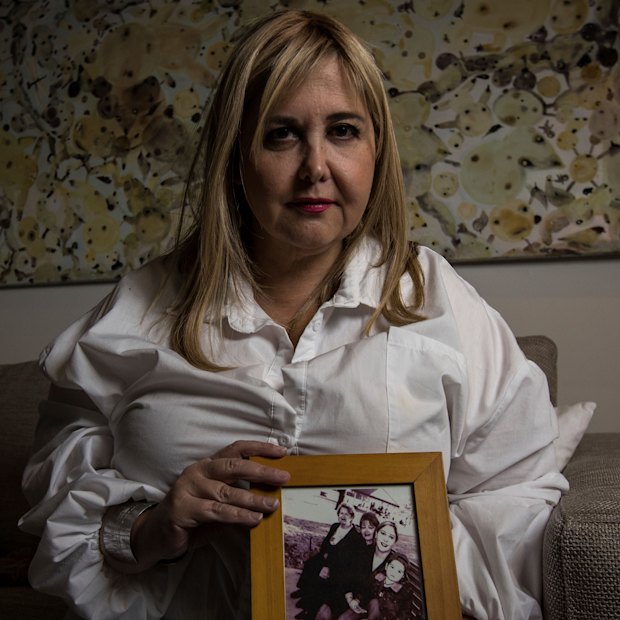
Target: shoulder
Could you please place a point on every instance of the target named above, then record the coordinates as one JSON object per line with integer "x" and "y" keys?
{"x": 354, "y": 535}
{"x": 130, "y": 316}
{"x": 139, "y": 290}
{"x": 447, "y": 293}
{"x": 440, "y": 277}
{"x": 449, "y": 300}
{"x": 458, "y": 317}
{"x": 139, "y": 300}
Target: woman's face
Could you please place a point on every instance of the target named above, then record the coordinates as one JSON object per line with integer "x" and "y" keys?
{"x": 386, "y": 537}
{"x": 311, "y": 180}
{"x": 344, "y": 517}
{"x": 367, "y": 530}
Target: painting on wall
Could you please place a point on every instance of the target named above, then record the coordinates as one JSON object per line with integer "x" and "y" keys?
{"x": 507, "y": 117}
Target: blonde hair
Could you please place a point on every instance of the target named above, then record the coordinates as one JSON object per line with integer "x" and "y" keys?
{"x": 272, "y": 57}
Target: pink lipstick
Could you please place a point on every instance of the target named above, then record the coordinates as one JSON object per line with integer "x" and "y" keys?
{"x": 312, "y": 205}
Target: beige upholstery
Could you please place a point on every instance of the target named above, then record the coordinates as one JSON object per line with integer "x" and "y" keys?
{"x": 543, "y": 352}
{"x": 582, "y": 541}
{"x": 22, "y": 386}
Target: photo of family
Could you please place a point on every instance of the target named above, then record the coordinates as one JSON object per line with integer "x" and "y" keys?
{"x": 351, "y": 554}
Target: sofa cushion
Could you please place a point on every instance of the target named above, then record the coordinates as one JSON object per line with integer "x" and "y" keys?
{"x": 544, "y": 353}
{"x": 23, "y": 603}
{"x": 581, "y": 552}
{"x": 573, "y": 422}
{"x": 22, "y": 386}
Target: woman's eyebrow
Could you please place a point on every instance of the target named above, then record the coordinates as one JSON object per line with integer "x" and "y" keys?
{"x": 281, "y": 119}
{"x": 346, "y": 116}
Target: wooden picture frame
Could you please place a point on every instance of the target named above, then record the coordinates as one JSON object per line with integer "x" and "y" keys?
{"x": 421, "y": 472}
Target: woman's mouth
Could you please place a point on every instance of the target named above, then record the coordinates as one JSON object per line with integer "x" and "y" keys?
{"x": 312, "y": 205}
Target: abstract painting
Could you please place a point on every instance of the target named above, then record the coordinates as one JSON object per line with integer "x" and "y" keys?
{"x": 507, "y": 117}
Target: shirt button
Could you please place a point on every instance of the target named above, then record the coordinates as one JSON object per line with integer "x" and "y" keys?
{"x": 316, "y": 326}
{"x": 283, "y": 441}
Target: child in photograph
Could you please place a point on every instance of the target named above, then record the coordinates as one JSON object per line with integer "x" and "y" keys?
{"x": 392, "y": 598}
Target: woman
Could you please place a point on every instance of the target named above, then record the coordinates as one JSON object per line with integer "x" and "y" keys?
{"x": 368, "y": 528}
{"x": 326, "y": 576}
{"x": 366, "y": 599}
{"x": 351, "y": 571}
{"x": 294, "y": 317}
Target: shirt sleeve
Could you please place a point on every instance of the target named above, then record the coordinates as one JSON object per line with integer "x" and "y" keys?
{"x": 70, "y": 481}
{"x": 503, "y": 479}
{"x": 498, "y": 523}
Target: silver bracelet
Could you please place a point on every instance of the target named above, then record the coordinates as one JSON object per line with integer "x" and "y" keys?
{"x": 116, "y": 525}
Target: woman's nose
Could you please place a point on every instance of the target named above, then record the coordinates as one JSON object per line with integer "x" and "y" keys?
{"x": 314, "y": 167}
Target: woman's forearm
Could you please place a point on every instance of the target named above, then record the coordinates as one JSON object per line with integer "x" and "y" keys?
{"x": 122, "y": 539}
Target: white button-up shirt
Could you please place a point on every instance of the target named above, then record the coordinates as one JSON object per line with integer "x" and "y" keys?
{"x": 128, "y": 414}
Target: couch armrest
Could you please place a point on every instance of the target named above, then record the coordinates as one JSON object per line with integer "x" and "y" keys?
{"x": 22, "y": 387}
{"x": 581, "y": 553}
{"x": 543, "y": 352}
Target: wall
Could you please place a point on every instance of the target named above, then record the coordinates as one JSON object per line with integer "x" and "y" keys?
{"x": 577, "y": 303}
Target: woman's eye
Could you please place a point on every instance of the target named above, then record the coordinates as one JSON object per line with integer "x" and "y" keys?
{"x": 344, "y": 130}
{"x": 279, "y": 134}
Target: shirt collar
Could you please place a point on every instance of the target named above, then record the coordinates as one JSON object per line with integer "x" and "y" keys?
{"x": 381, "y": 578}
{"x": 361, "y": 284}
{"x": 362, "y": 281}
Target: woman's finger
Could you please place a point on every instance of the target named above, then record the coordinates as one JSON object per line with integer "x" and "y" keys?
{"x": 216, "y": 491}
{"x": 238, "y": 510}
{"x": 204, "y": 495}
{"x": 223, "y": 512}
{"x": 244, "y": 449}
{"x": 233, "y": 469}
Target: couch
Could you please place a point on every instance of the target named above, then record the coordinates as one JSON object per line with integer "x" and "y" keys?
{"x": 22, "y": 386}
{"x": 581, "y": 552}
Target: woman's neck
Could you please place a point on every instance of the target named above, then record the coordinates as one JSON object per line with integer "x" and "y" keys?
{"x": 380, "y": 555}
{"x": 377, "y": 560}
{"x": 278, "y": 269}
{"x": 286, "y": 287}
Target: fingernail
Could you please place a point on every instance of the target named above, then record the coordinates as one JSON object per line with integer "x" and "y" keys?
{"x": 272, "y": 503}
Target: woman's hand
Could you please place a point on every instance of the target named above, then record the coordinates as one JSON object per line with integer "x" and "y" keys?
{"x": 202, "y": 498}
{"x": 354, "y": 604}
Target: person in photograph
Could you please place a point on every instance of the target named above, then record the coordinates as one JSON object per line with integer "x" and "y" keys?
{"x": 386, "y": 536}
{"x": 369, "y": 522}
{"x": 293, "y": 316}
{"x": 353, "y": 572}
{"x": 356, "y": 600}
{"x": 391, "y": 596}
{"x": 326, "y": 576}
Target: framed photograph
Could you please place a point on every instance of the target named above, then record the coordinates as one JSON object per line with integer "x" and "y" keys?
{"x": 356, "y": 536}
